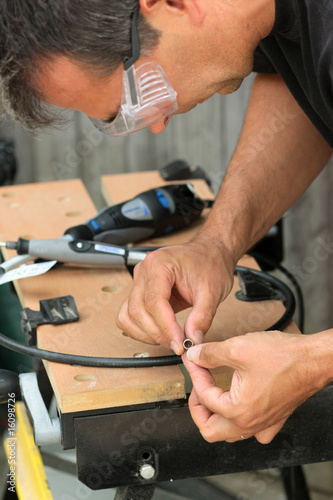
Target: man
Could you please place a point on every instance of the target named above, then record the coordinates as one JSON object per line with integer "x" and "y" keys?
{"x": 65, "y": 54}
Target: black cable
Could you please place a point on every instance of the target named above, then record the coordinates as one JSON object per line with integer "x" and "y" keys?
{"x": 300, "y": 300}
{"x": 288, "y": 301}
{"x": 73, "y": 359}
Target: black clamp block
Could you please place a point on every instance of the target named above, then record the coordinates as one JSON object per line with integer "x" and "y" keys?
{"x": 180, "y": 170}
{"x": 55, "y": 311}
{"x": 255, "y": 288}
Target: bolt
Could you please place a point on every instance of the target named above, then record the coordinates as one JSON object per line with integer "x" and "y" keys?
{"x": 147, "y": 471}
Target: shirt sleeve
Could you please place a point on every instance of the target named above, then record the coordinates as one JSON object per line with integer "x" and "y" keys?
{"x": 262, "y": 63}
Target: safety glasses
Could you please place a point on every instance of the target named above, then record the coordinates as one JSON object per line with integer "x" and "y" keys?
{"x": 147, "y": 97}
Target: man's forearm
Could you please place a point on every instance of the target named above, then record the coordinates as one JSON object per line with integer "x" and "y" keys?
{"x": 320, "y": 355}
{"x": 278, "y": 155}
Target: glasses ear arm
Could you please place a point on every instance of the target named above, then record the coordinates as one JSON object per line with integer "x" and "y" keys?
{"x": 129, "y": 61}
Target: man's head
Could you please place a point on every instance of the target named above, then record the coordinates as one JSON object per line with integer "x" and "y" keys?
{"x": 69, "y": 53}
{"x": 35, "y": 33}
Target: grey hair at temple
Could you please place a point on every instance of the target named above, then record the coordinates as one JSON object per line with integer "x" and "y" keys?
{"x": 93, "y": 33}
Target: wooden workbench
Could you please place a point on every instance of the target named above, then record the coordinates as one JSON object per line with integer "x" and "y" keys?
{"x": 46, "y": 210}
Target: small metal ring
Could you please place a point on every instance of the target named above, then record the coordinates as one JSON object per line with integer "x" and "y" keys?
{"x": 187, "y": 344}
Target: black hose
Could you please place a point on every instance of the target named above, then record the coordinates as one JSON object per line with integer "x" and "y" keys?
{"x": 288, "y": 297}
{"x": 75, "y": 359}
{"x": 300, "y": 300}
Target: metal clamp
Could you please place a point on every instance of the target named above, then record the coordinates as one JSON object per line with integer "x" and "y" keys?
{"x": 46, "y": 430}
{"x": 55, "y": 311}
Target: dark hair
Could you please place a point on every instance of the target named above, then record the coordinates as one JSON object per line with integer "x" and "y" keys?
{"x": 95, "y": 33}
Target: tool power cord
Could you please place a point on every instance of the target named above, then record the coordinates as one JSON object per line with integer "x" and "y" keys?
{"x": 287, "y": 299}
{"x": 263, "y": 259}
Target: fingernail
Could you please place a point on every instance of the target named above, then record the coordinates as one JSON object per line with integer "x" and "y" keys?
{"x": 174, "y": 347}
{"x": 194, "y": 353}
{"x": 198, "y": 336}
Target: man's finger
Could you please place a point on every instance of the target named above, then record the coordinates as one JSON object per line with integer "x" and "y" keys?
{"x": 201, "y": 316}
{"x": 201, "y": 377}
{"x": 157, "y": 303}
{"x": 214, "y": 354}
{"x": 209, "y": 395}
{"x": 266, "y": 436}
{"x": 147, "y": 335}
{"x": 213, "y": 427}
{"x": 147, "y": 312}
{"x": 169, "y": 328}
{"x": 200, "y": 414}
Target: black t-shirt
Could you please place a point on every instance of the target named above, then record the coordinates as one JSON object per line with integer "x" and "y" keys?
{"x": 300, "y": 49}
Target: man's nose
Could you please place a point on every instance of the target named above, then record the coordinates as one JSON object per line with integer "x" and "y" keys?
{"x": 159, "y": 126}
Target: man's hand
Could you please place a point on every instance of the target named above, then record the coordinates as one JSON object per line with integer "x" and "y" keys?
{"x": 169, "y": 280}
{"x": 273, "y": 374}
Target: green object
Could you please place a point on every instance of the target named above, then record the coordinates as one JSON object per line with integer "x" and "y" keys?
{"x": 10, "y": 325}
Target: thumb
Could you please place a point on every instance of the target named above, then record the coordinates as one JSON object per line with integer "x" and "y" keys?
{"x": 214, "y": 354}
{"x": 200, "y": 318}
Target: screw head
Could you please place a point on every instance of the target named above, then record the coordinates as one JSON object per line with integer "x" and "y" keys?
{"x": 147, "y": 471}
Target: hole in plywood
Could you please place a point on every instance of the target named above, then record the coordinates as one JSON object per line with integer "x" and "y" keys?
{"x": 141, "y": 355}
{"x": 124, "y": 333}
{"x": 110, "y": 288}
{"x": 84, "y": 377}
{"x": 73, "y": 213}
{"x": 64, "y": 199}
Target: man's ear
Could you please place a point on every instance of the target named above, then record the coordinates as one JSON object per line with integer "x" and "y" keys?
{"x": 195, "y": 9}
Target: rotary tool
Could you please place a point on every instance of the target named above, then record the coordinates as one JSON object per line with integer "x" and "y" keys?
{"x": 66, "y": 250}
{"x": 101, "y": 240}
{"x": 152, "y": 213}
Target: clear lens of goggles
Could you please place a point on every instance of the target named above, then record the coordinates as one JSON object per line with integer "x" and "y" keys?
{"x": 147, "y": 98}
